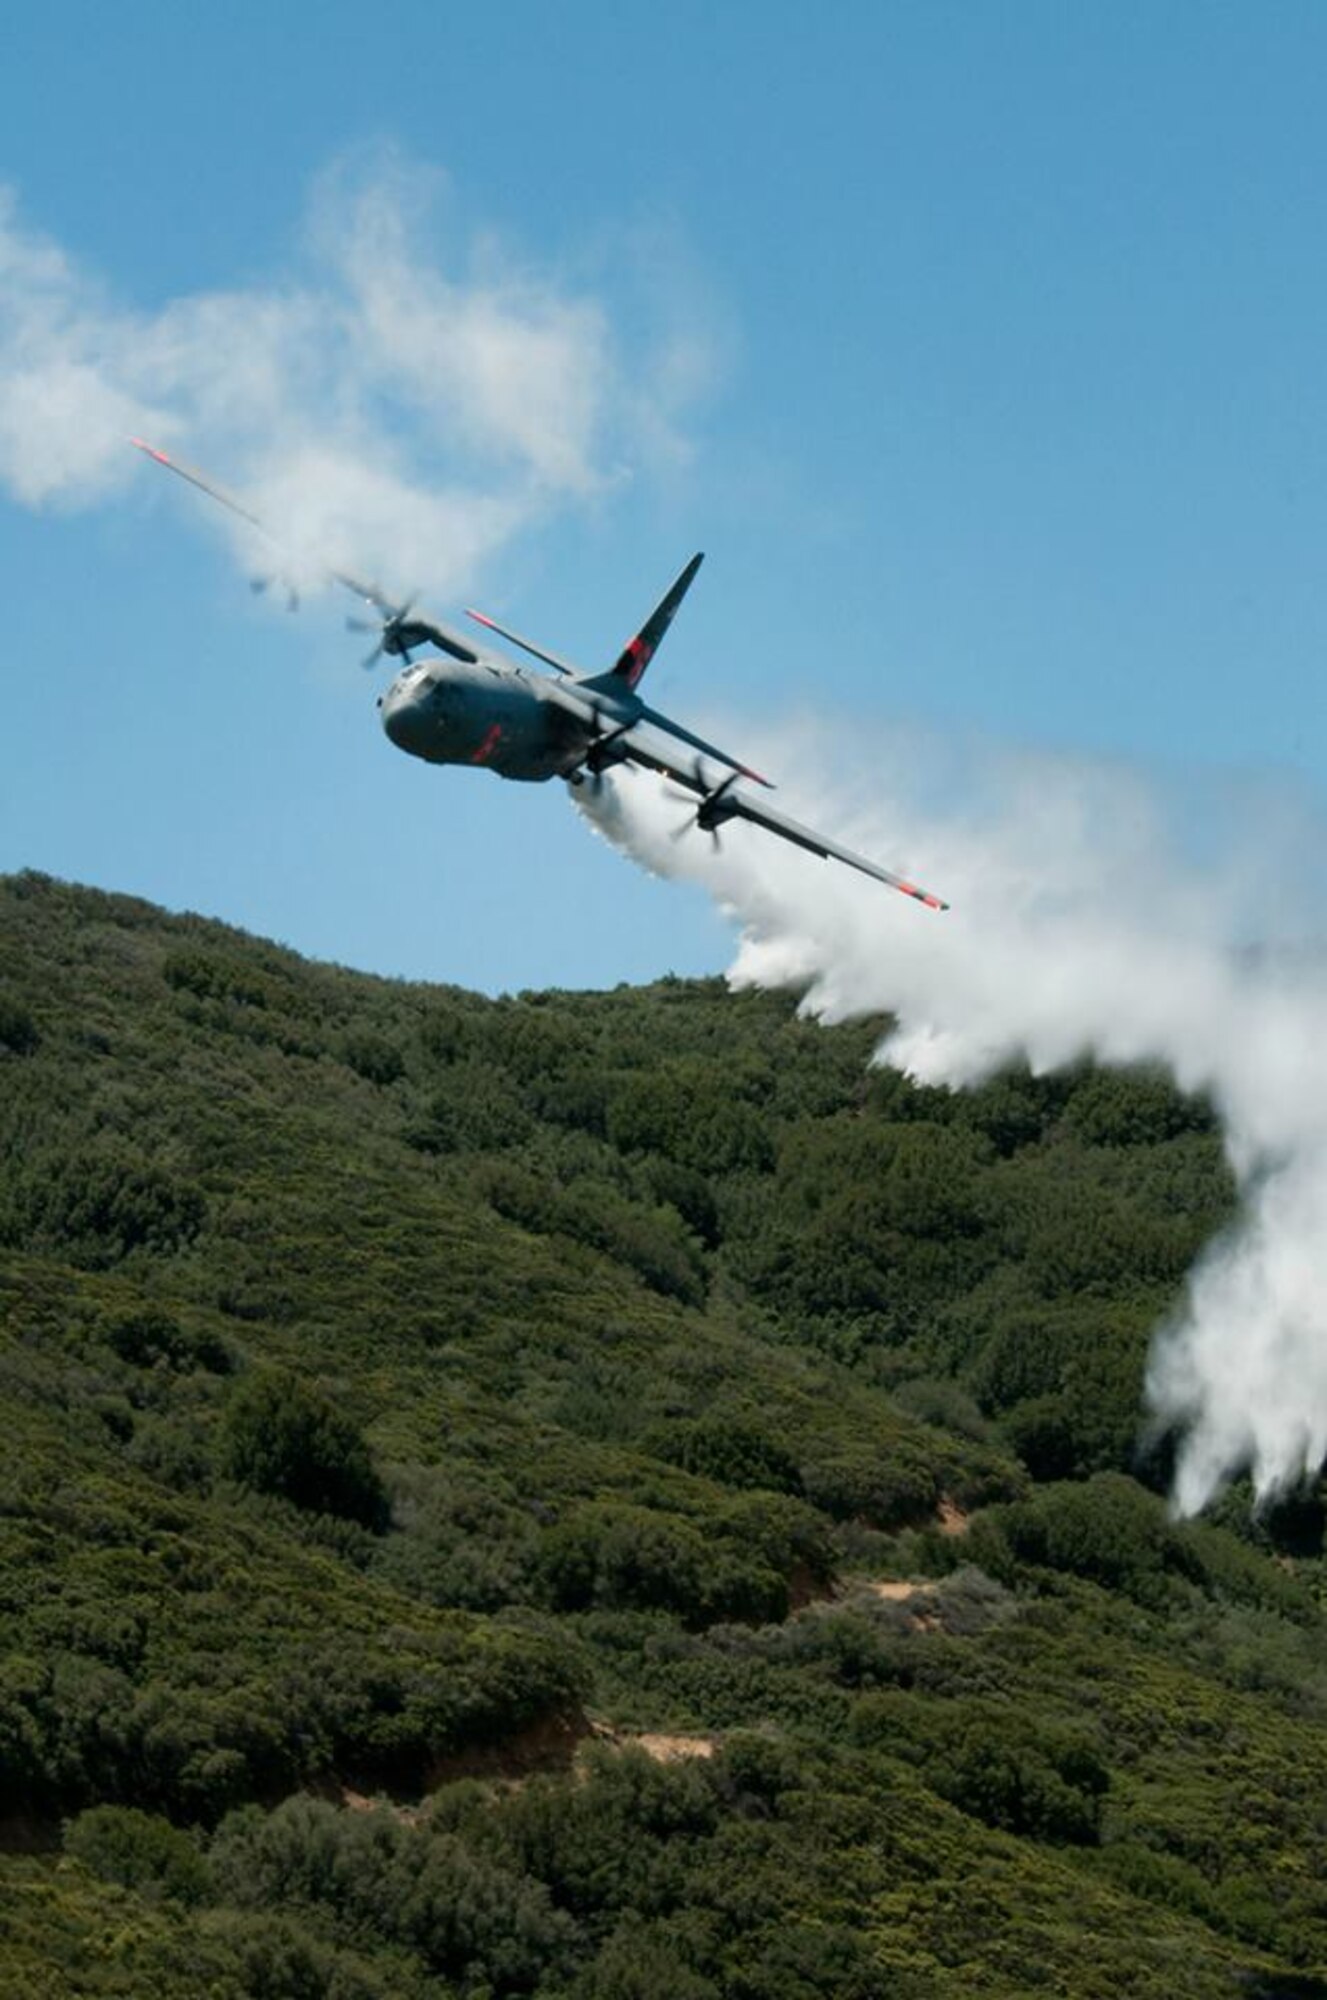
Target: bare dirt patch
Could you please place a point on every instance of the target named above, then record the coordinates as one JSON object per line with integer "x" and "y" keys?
{"x": 663, "y": 1749}
{"x": 359, "y": 1802}
{"x": 920, "y": 1597}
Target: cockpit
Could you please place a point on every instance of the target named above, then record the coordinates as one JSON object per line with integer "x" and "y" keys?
{"x": 410, "y": 682}
{"x": 417, "y": 713}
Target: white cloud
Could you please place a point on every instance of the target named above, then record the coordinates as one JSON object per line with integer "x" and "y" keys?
{"x": 403, "y": 400}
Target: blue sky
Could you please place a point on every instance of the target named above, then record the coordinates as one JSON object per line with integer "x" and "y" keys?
{"x": 981, "y": 349}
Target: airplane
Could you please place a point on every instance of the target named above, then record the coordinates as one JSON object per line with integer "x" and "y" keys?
{"x": 476, "y": 706}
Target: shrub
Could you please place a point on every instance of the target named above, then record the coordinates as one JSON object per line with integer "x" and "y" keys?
{"x": 945, "y": 1403}
{"x": 373, "y": 1057}
{"x": 1112, "y": 1531}
{"x": 727, "y": 1451}
{"x": 642, "y": 1962}
{"x": 1041, "y": 1432}
{"x": 1133, "y": 1107}
{"x": 884, "y": 1489}
{"x": 592, "y": 1211}
{"x": 139, "y": 1851}
{"x": 622, "y": 1558}
{"x": 468, "y": 1917}
{"x": 687, "y": 1111}
{"x": 278, "y": 1437}
{"x": 478, "y": 1110}
{"x": 613, "y": 1557}
{"x": 216, "y": 975}
{"x": 686, "y": 1191}
{"x": 151, "y": 1336}
{"x": 1046, "y": 1786}
{"x": 18, "y": 1030}
{"x": 99, "y": 1206}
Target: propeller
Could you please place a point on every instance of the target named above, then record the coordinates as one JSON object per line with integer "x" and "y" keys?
{"x": 259, "y": 585}
{"x": 601, "y": 752}
{"x": 391, "y": 632}
{"x": 709, "y": 814}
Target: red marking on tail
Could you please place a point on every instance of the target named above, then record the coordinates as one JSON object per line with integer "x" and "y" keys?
{"x": 640, "y": 653}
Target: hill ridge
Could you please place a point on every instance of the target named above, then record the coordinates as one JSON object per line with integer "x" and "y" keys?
{"x": 393, "y": 1376}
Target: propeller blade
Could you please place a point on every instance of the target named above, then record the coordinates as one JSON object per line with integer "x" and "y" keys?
{"x": 260, "y": 585}
{"x": 389, "y": 632}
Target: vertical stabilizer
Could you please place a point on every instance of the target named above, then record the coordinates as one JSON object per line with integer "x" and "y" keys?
{"x": 638, "y": 652}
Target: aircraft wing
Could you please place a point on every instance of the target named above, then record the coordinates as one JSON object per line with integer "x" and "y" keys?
{"x": 414, "y": 631}
{"x": 651, "y": 725}
{"x": 646, "y": 744}
{"x": 740, "y": 805}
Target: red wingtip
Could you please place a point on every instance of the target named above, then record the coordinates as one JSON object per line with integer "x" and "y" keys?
{"x": 923, "y": 896}
{"x": 480, "y": 619}
{"x": 151, "y": 450}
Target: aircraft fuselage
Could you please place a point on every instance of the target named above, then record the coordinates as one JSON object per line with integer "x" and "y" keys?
{"x": 499, "y": 719}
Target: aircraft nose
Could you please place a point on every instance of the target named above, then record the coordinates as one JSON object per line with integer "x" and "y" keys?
{"x": 404, "y": 719}
{"x": 391, "y": 717}
{"x": 398, "y": 716}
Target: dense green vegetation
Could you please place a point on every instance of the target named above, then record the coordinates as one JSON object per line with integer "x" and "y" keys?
{"x": 608, "y": 1496}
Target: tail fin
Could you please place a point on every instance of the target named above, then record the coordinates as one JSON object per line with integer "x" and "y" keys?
{"x": 638, "y": 652}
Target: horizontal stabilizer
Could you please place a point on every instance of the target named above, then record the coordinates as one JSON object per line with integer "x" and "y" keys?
{"x": 559, "y": 666}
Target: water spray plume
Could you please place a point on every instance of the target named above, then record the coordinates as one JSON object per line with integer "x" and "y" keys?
{"x": 1078, "y": 928}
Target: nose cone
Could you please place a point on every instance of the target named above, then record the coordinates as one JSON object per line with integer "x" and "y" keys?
{"x": 392, "y": 719}
{"x": 402, "y": 718}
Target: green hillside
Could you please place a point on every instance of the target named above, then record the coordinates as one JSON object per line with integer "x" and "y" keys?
{"x": 607, "y": 1496}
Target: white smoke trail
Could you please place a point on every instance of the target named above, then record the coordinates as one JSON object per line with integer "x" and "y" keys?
{"x": 402, "y": 398}
{"x": 1078, "y": 926}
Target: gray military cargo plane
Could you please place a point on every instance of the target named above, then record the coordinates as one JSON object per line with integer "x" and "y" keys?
{"x": 475, "y": 706}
